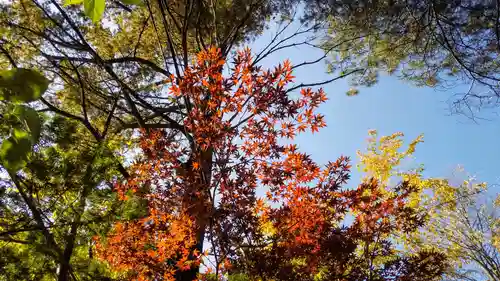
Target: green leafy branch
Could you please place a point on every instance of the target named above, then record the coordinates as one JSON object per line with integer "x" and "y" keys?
{"x": 18, "y": 86}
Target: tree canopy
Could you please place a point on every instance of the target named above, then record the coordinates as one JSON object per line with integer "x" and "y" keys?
{"x": 429, "y": 43}
{"x": 141, "y": 141}
{"x": 212, "y": 195}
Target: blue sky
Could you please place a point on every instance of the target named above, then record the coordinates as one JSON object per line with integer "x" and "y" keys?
{"x": 391, "y": 106}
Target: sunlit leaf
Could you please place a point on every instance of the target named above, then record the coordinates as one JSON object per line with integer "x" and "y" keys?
{"x": 15, "y": 150}
{"x": 72, "y": 2}
{"x": 94, "y": 9}
{"x": 22, "y": 85}
{"x": 30, "y": 119}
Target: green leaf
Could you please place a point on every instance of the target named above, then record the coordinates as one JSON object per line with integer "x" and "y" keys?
{"x": 352, "y": 92}
{"x": 94, "y": 9}
{"x": 134, "y": 207}
{"x": 31, "y": 121}
{"x": 22, "y": 85}
{"x": 15, "y": 150}
{"x": 72, "y": 2}
{"x": 19, "y": 134}
{"x": 131, "y": 2}
{"x": 25, "y": 132}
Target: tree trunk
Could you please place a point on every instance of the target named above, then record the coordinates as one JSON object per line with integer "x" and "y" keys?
{"x": 198, "y": 208}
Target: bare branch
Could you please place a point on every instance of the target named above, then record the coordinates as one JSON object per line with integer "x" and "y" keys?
{"x": 302, "y": 85}
{"x": 146, "y": 62}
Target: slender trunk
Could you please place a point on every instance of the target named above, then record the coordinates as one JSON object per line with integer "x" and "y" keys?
{"x": 65, "y": 270}
{"x": 49, "y": 238}
{"x": 198, "y": 200}
{"x": 192, "y": 273}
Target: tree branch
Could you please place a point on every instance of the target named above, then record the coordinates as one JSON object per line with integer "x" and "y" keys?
{"x": 143, "y": 61}
{"x": 8, "y": 56}
{"x": 301, "y": 85}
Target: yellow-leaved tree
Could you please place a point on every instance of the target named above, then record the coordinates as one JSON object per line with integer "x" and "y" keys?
{"x": 462, "y": 221}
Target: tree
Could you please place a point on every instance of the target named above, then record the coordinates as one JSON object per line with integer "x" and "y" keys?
{"x": 50, "y": 207}
{"x": 205, "y": 146}
{"x": 462, "y": 223}
{"x": 465, "y": 225}
{"x": 50, "y": 210}
{"x": 111, "y": 77}
{"x": 106, "y": 80}
{"x": 201, "y": 185}
{"x": 434, "y": 43}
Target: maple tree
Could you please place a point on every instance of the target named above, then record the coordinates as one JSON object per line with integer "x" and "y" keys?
{"x": 106, "y": 80}
{"x": 214, "y": 186}
{"x": 202, "y": 182}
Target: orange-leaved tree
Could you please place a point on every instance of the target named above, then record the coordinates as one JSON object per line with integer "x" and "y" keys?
{"x": 202, "y": 182}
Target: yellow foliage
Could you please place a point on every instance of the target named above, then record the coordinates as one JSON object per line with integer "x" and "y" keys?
{"x": 437, "y": 197}
{"x": 267, "y": 228}
{"x": 497, "y": 200}
{"x": 384, "y": 155}
{"x": 298, "y": 261}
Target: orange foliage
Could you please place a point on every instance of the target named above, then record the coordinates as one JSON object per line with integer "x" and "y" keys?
{"x": 201, "y": 177}
{"x": 141, "y": 245}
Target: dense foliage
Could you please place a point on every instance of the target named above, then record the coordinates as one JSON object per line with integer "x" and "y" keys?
{"x": 138, "y": 143}
{"x": 427, "y": 42}
{"x": 294, "y": 232}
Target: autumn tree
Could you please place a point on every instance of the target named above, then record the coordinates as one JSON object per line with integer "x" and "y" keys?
{"x": 110, "y": 76}
{"x": 208, "y": 143}
{"x": 106, "y": 79}
{"x": 462, "y": 219}
{"x": 464, "y": 223}
{"x": 202, "y": 184}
